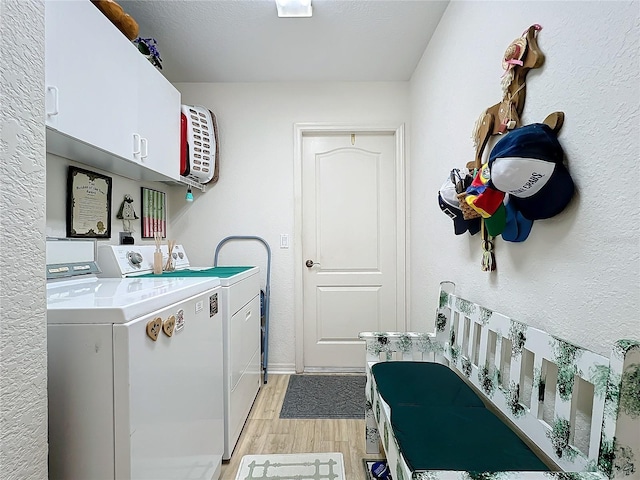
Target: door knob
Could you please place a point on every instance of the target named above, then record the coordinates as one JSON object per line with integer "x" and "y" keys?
{"x": 310, "y": 263}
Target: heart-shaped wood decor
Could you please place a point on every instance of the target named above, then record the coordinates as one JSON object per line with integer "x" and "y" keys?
{"x": 169, "y": 325}
{"x": 153, "y": 328}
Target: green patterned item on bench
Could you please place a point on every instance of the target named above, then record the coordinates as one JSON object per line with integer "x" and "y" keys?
{"x": 459, "y": 438}
{"x": 422, "y": 383}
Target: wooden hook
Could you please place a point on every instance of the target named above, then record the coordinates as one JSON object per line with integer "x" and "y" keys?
{"x": 484, "y": 132}
{"x": 555, "y": 121}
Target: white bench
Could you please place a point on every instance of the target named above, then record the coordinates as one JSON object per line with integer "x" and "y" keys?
{"x": 578, "y": 410}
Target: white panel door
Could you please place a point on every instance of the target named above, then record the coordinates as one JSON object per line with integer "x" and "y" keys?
{"x": 349, "y": 233}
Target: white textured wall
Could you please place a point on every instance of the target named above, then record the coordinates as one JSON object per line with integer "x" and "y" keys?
{"x": 577, "y": 275}
{"x": 254, "y": 195}
{"x": 23, "y": 325}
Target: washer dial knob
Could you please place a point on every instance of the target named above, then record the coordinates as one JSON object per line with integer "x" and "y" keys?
{"x": 135, "y": 259}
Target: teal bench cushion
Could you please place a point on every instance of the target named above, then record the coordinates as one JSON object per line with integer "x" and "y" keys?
{"x": 459, "y": 438}
{"x": 422, "y": 383}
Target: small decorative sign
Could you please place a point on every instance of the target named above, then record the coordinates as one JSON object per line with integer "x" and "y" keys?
{"x": 88, "y": 204}
{"x": 154, "y": 213}
{"x": 213, "y": 304}
{"x": 169, "y": 325}
{"x": 180, "y": 320}
{"x": 153, "y": 328}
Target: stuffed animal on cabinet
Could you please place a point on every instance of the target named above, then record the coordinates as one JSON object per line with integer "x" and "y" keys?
{"x": 114, "y": 12}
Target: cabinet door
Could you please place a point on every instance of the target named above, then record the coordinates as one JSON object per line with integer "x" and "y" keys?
{"x": 168, "y": 396}
{"x": 91, "y": 85}
{"x": 158, "y": 120}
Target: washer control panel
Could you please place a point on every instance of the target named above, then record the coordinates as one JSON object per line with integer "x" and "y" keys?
{"x": 119, "y": 261}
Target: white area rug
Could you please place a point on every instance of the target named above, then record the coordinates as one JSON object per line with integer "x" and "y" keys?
{"x": 295, "y": 466}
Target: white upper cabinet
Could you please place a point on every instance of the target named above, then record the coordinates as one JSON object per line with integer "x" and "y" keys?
{"x": 161, "y": 138}
{"x": 91, "y": 89}
{"x": 106, "y": 105}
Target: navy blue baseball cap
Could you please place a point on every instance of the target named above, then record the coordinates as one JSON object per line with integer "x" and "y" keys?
{"x": 449, "y": 204}
{"x": 528, "y": 165}
{"x": 517, "y": 227}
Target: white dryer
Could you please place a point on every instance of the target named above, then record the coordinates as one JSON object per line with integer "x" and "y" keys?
{"x": 134, "y": 372}
{"x": 241, "y": 331}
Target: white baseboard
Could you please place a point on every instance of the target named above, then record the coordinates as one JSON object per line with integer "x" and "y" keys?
{"x": 289, "y": 369}
{"x": 333, "y": 370}
{"x": 281, "y": 369}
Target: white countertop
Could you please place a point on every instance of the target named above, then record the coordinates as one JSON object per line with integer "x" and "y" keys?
{"x": 115, "y": 300}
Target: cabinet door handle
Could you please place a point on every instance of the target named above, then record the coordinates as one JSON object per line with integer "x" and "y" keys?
{"x": 136, "y": 144}
{"x": 56, "y": 105}
{"x": 144, "y": 148}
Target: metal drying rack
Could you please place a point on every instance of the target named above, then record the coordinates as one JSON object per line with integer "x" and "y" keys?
{"x": 265, "y": 309}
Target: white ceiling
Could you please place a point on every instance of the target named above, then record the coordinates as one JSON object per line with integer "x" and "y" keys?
{"x": 245, "y": 41}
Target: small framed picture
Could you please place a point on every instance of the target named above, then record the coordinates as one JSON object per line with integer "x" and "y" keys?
{"x": 154, "y": 213}
{"x": 88, "y": 204}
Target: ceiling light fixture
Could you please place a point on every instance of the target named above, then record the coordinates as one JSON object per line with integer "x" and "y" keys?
{"x": 294, "y": 8}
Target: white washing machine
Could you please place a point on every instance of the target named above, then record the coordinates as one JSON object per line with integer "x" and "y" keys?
{"x": 134, "y": 372}
{"x": 240, "y": 305}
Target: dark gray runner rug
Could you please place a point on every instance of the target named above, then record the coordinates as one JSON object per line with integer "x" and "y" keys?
{"x": 324, "y": 396}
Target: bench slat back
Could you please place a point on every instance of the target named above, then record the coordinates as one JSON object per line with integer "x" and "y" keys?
{"x": 580, "y": 408}
{"x": 514, "y": 366}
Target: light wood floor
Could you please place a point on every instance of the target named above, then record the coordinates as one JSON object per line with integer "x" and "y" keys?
{"x": 264, "y": 432}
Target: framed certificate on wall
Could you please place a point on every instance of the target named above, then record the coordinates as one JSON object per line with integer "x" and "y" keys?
{"x": 88, "y": 204}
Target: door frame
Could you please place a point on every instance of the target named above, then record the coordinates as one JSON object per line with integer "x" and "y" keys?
{"x": 402, "y": 273}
